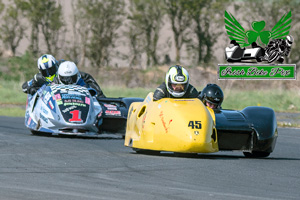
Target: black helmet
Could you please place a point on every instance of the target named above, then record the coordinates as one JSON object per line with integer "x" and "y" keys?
{"x": 212, "y": 93}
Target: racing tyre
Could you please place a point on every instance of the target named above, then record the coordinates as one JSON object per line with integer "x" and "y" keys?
{"x": 144, "y": 151}
{"x": 256, "y": 154}
{"x": 38, "y": 133}
{"x": 273, "y": 56}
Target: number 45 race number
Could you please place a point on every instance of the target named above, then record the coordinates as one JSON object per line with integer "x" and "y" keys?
{"x": 195, "y": 124}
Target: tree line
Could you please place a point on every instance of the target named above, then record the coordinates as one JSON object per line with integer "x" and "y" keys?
{"x": 100, "y": 27}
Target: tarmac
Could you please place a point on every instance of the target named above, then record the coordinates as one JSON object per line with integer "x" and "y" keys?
{"x": 288, "y": 119}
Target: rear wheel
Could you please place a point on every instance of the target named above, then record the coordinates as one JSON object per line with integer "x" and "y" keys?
{"x": 256, "y": 154}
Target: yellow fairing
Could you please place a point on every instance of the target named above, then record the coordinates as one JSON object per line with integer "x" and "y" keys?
{"x": 177, "y": 125}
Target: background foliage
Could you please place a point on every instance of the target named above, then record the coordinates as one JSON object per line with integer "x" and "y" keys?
{"x": 132, "y": 43}
{"x": 102, "y": 33}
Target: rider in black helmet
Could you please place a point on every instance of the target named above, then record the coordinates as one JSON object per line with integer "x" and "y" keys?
{"x": 212, "y": 96}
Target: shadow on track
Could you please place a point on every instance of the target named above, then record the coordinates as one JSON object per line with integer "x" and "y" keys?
{"x": 207, "y": 156}
{"x": 100, "y": 136}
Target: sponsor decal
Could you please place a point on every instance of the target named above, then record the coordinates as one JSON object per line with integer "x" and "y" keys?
{"x": 51, "y": 105}
{"x": 87, "y": 100}
{"x": 72, "y": 101}
{"x": 75, "y": 104}
{"x": 44, "y": 110}
{"x": 69, "y": 108}
{"x": 148, "y": 99}
{"x": 53, "y": 96}
{"x": 71, "y": 96}
{"x": 44, "y": 118}
{"x": 113, "y": 112}
{"x": 110, "y": 107}
{"x": 57, "y": 97}
{"x": 96, "y": 103}
{"x": 100, "y": 114}
{"x": 29, "y": 121}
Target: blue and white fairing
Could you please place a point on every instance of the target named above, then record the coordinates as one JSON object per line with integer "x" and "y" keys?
{"x": 63, "y": 110}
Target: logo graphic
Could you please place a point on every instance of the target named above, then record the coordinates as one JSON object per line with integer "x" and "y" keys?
{"x": 267, "y": 46}
{"x": 245, "y": 38}
{"x": 45, "y": 59}
{"x": 256, "y": 46}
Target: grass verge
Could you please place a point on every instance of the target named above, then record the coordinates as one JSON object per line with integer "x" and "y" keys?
{"x": 13, "y": 100}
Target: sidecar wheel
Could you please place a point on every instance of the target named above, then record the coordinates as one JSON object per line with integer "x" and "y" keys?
{"x": 256, "y": 154}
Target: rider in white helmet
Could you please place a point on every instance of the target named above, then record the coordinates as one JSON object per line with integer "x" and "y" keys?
{"x": 176, "y": 85}
{"x": 68, "y": 74}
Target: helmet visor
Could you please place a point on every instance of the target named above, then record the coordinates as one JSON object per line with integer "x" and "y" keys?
{"x": 177, "y": 87}
{"x": 211, "y": 105}
{"x": 68, "y": 80}
{"x": 48, "y": 72}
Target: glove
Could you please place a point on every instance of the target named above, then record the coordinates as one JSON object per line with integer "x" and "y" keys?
{"x": 32, "y": 91}
{"x": 25, "y": 87}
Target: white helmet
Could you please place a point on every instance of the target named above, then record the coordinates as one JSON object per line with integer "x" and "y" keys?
{"x": 177, "y": 81}
{"x": 289, "y": 40}
{"x": 68, "y": 73}
{"x": 47, "y": 65}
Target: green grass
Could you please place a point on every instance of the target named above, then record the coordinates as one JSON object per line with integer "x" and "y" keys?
{"x": 13, "y": 100}
{"x": 11, "y": 93}
{"x": 126, "y": 92}
{"x": 12, "y": 111}
{"x": 279, "y": 100}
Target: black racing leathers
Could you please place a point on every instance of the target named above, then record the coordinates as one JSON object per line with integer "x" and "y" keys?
{"x": 92, "y": 83}
{"x": 30, "y": 87}
{"x": 162, "y": 92}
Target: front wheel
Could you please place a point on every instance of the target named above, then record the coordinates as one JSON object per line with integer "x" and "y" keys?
{"x": 144, "y": 151}
{"x": 256, "y": 154}
{"x": 273, "y": 56}
{"x": 38, "y": 133}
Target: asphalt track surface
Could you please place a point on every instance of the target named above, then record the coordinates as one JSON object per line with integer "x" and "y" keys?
{"x": 36, "y": 167}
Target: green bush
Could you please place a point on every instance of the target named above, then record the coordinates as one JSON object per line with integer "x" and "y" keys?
{"x": 19, "y": 68}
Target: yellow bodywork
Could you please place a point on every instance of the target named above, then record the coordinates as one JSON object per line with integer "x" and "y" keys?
{"x": 176, "y": 125}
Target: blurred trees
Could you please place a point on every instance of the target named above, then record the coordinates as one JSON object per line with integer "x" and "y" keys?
{"x": 177, "y": 11}
{"x": 146, "y": 20}
{"x": 100, "y": 26}
{"x": 44, "y": 16}
{"x": 1, "y": 6}
{"x": 206, "y": 17}
{"x": 12, "y": 29}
